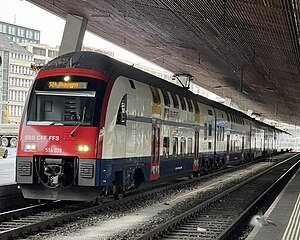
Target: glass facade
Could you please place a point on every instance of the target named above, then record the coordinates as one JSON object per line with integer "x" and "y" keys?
{"x": 20, "y": 34}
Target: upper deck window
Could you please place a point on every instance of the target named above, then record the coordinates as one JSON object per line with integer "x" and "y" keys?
{"x": 183, "y": 104}
{"x": 175, "y": 100}
{"x": 155, "y": 94}
{"x": 197, "y": 110}
{"x": 166, "y": 98}
{"x": 190, "y": 106}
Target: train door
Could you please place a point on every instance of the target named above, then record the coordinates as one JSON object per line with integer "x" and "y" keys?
{"x": 155, "y": 151}
{"x": 227, "y": 149}
{"x": 196, "y": 154}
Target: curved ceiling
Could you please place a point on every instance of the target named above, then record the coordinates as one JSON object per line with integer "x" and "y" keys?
{"x": 246, "y": 50}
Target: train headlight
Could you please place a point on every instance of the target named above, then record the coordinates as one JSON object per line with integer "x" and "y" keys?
{"x": 30, "y": 147}
{"x": 83, "y": 148}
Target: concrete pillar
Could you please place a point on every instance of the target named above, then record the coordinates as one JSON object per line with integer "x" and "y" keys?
{"x": 73, "y": 34}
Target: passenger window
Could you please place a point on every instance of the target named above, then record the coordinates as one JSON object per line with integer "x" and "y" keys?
{"x": 166, "y": 146}
{"x": 196, "y": 107}
{"x": 183, "y": 104}
{"x": 155, "y": 95}
{"x": 166, "y": 98}
{"x": 175, "y": 146}
{"x": 189, "y": 102}
{"x": 175, "y": 100}
{"x": 190, "y": 146}
{"x": 209, "y": 130}
{"x": 205, "y": 131}
{"x": 182, "y": 146}
{"x": 132, "y": 84}
{"x": 121, "y": 117}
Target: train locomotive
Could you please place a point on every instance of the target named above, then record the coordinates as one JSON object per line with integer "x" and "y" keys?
{"x": 94, "y": 126}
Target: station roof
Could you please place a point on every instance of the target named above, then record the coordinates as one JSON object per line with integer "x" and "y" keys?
{"x": 219, "y": 42}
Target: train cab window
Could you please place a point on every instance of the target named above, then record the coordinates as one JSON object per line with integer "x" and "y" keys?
{"x": 175, "y": 146}
{"x": 55, "y": 102}
{"x": 175, "y": 100}
{"x": 182, "y": 146}
{"x": 197, "y": 110}
{"x": 183, "y": 104}
{"x": 190, "y": 146}
{"x": 166, "y": 98}
{"x": 205, "y": 131}
{"x": 189, "y": 103}
{"x": 166, "y": 146}
{"x": 121, "y": 116}
{"x": 209, "y": 130}
{"x": 155, "y": 94}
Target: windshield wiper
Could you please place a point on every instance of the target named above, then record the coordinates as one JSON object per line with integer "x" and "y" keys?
{"x": 83, "y": 115}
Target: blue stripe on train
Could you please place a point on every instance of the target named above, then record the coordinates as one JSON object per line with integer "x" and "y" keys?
{"x": 168, "y": 167}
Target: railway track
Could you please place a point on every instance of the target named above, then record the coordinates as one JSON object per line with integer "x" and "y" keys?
{"x": 31, "y": 220}
{"x": 221, "y": 216}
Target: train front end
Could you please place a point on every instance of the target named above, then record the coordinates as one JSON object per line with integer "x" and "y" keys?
{"x": 58, "y": 138}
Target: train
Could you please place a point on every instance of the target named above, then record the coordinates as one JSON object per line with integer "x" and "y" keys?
{"x": 93, "y": 126}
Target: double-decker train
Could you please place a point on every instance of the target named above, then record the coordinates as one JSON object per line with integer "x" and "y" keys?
{"x": 94, "y": 126}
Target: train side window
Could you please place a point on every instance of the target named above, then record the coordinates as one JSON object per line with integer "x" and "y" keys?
{"x": 121, "y": 117}
{"x": 218, "y": 133}
{"x": 223, "y": 135}
{"x": 197, "y": 110}
{"x": 182, "y": 146}
{"x": 131, "y": 84}
{"x": 183, "y": 104}
{"x": 166, "y": 146}
{"x": 175, "y": 100}
{"x": 209, "y": 130}
{"x": 190, "y": 146}
{"x": 166, "y": 98}
{"x": 155, "y": 95}
{"x": 175, "y": 146}
{"x": 205, "y": 131}
{"x": 189, "y": 102}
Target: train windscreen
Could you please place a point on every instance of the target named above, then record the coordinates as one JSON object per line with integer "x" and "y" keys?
{"x": 66, "y": 100}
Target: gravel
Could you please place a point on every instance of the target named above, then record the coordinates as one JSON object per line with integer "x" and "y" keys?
{"x": 131, "y": 220}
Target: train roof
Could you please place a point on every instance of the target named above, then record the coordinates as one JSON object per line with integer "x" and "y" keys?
{"x": 114, "y": 68}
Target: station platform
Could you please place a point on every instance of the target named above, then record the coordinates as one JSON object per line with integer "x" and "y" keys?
{"x": 284, "y": 213}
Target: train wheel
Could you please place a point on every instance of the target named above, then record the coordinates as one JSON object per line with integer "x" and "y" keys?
{"x": 5, "y": 142}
